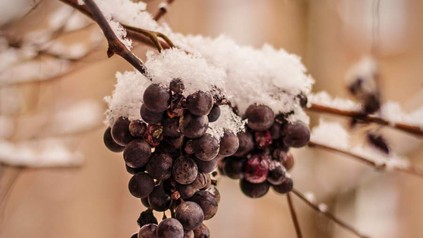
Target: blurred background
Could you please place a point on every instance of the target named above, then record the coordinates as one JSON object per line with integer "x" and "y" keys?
{"x": 92, "y": 200}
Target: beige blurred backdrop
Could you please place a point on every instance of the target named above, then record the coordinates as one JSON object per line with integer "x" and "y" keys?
{"x": 329, "y": 35}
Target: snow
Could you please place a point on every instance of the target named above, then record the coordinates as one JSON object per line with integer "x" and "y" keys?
{"x": 393, "y": 112}
{"x": 333, "y": 135}
{"x": 310, "y": 197}
{"x": 366, "y": 70}
{"x": 228, "y": 120}
{"x": 323, "y": 98}
{"x": 322, "y": 207}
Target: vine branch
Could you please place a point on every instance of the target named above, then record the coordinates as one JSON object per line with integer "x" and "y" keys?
{"x": 294, "y": 216}
{"x": 361, "y": 159}
{"x": 327, "y": 214}
{"x": 414, "y": 130}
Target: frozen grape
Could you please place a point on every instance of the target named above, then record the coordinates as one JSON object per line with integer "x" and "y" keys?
{"x": 199, "y": 103}
{"x": 189, "y": 214}
{"x": 229, "y": 144}
{"x": 148, "y": 231}
{"x": 206, "y": 148}
{"x": 149, "y": 116}
{"x": 296, "y": 134}
{"x": 263, "y": 139}
{"x": 256, "y": 168}
{"x": 207, "y": 202}
{"x": 195, "y": 126}
{"x": 184, "y": 170}
{"x": 160, "y": 166}
{"x": 110, "y": 143}
{"x": 141, "y": 185}
{"x": 170, "y": 228}
{"x": 137, "y": 128}
{"x": 233, "y": 167}
{"x": 276, "y": 173}
{"x": 189, "y": 147}
{"x": 206, "y": 166}
{"x": 285, "y": 187}
{"x": 156, "y": 98}
{"x": 214, "y": 114}
{"x": 254, "y": 190}
{"x": 136, "y": 153}
{"x": 146, "y": 217}
{"x": 275, "y": 131}
{"x": 120, "y": 131}
{"x": 246, "y": 143}
{"x": 288, "y": 161}
{"x": 260, "y": 117}
{"x": 134, "y": 170}
{"x": 202, "y": 231}
{"x": 154, "y": 135}
{"x": 158, "y": 199}
{"x": 176, "y": 142}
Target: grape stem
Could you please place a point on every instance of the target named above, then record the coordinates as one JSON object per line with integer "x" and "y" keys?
{"x": 377, "y": 166}
{"x": 162, "y": 10}
{"x": 294, "y": 216}
{"x": 327, "y": 214}
{"x": 411, "y": 129}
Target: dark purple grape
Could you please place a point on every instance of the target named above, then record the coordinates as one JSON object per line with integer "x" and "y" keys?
{"x": 148, "y": 231}
{"x": 202, "y": 181}
{"x": 141, "y": 185}
{"x": 160, "y": 166}
{"x": 189, "y": 234}
{"x": 285, "y": 187}
{"x": 296, "y": 134}
{"x": 171, "y": 127}
{"x": 170, "y": 228}
{"x": 206, "y": 166}
{"x": 154, "y": 135}
{"x": 120, "y": 131}
{"x": 136, "y": 153}
{"x": 206, "y": 148}
{"x": 260, "y": 117}
{"x": 199, "y": 103}
{"x": 229, "y": 144}
{"x": 275, "y": 131}
{"x": 189, "y": 214}
{"x": 134, "y": 170}
{"x": 202, "y": 231}
{"x": 137, "y": 128}
{"x": 233, "y": 167}
{"x": 110, "y": 143}
{"x": 176, "y": 108}
{"x": 214, "y": 114}
{"x": 176, "y": 142}
{"x": 256, "y": 168}
{"x": 149, "y": 116}
{"x": 207, "y": 202}
{"x": 156, "y": 98}
{"x": 184, "y": 170}
{"x": 246, "y": 143}
{"x": 288, "y": 161}
{"x": 276, "y": 174}
{"x": 263, "y": 139}
{"x": 189, "y": 147}
{"x": 186, "y": 191}
{"x": 145, "y": 203}
{"x": 215, "y": 192}
{"x": 254, "y": 190}
{"x": 177, "y": 86}
{"x": 158, "y": 199}
{"x": 195, "y": 126}
{"x": 146, "y": 217}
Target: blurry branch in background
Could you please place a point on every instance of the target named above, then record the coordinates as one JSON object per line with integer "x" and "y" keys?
{"x": 294, "y": 216}
{"x": 377, "y": 165}
{"x": 323, "y": 209}
{"x": 325, "y": 109}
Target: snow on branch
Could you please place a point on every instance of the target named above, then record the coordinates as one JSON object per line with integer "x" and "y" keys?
{"x": 333, "y": 137}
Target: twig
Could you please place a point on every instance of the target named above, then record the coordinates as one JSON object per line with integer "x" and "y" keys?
{"x": 377, "y": 166}
{"x": 328, "y": 214}
{"x": 294, "y": 216}
{"x": 162, "y": 10}
{"x": 115, "y": 45}
{"x": 415, "y": 130}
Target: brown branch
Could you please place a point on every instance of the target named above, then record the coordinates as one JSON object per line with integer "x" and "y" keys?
{"x": 361, "y": 159}
{"x": 115, "y": 45}
{"x": 162, "y": 10}
{"x": 328, "y": 214}
{"x": 415, "y": 130}
{"x": 294, "y": 216}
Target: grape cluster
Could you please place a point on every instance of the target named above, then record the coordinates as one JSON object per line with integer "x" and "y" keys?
{"x": 172, "y": 157}
{"x": 263, "y": 158}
